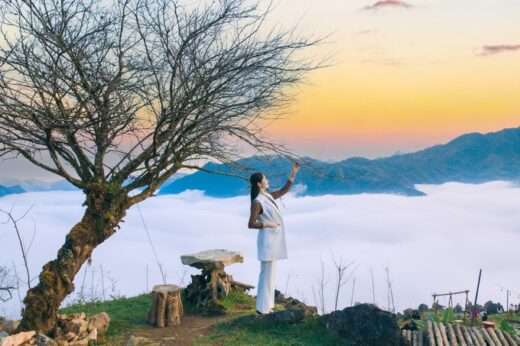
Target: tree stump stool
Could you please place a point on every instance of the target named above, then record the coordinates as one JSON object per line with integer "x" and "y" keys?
{"x": 206, "y": 289}
{"x": 166, "y": 307}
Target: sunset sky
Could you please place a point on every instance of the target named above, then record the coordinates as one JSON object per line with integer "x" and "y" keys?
{"x": 406, "y": 75}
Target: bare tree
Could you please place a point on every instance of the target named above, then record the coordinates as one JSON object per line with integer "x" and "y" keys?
{"x": 352, "y": 293}
{"x": 319, "y": 297}
{"x": 373, "y": 286}
{"x": 116, "y": 96}
{"x": 342, "y": 276}
{"x": 7, "y": 284}
{"x": 23, "y": 247}
{"x": 390, "y": 292}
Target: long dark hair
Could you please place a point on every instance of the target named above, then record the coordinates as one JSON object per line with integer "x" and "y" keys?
{"x": 254, "y": 179}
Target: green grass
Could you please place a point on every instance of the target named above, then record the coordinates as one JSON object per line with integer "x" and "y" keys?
{"x": 128, "y": 313}
{"x": 238, "y": 332}
{"x": 125, "y": 314}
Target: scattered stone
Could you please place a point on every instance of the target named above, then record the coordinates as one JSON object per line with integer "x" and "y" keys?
{"x": 138, "y": 341}
{"x": 80, "y": 342}
{"x": 61, "y": 341}
{"x": 70, "y": 336}
{"x": 44, "y": 340}
{"x": 93, "y": 334}
{"x": 292, "y": 303}
{"x": 77, "y": 326}
{"x": 79, "y": 315}
{"x": 58, "y": 332}
{"x": 17, "y": 339}
{"x": 168, "y": 339}
{"x": 8, "y": 326}
{"x": 290, "y": 315}
{"x": 365, "y": 324}
{"x": 100, "y": 322}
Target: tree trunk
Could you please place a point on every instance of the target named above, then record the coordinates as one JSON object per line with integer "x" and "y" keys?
{"x": 102, "y": 216}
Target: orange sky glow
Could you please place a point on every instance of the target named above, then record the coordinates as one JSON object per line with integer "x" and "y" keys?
{"x": 405, "y": 76}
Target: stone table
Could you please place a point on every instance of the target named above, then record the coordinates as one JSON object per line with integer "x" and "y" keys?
{"x": 213, "y": 284}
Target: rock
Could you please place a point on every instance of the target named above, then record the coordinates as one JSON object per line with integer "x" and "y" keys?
{"x": 212, "y": 259}
{"x": 79, "y": 315}
{"x": 168, "y": 339}
{"x": 77, "y": 326}
{"x": 61, "y": 341}
{"x": 93, "y": 334}
{"x": 287, "y": 315}
{"x": 70, "y": 336}
{"x": 100, "y": 322}
{"x": 291, "y": 315}
{"x": 292, "y": 303}
{"x": 9, "y": 326}
{"x": 58, "y": 332}
{"x": 17, "y": 339}
{"x": 80, "y": 342}
{"x": 138, "y": 340}
{"x": 44, "y": 340}
{"x": 365, "y": 324}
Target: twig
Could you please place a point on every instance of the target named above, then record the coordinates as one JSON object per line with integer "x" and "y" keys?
{"x": 25, "y": 251}
{"x": 341, "y": 280}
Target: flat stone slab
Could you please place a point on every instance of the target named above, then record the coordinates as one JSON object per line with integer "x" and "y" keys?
{"x": 212, "y": 259}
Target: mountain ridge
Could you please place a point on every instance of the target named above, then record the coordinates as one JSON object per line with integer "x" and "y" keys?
{"x": 469, "y": 158}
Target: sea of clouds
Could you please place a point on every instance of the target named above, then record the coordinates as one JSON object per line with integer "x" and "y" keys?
{"x": 435, "y": 243}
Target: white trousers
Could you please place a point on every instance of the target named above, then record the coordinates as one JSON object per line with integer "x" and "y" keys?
{"x": 266, "y": 283}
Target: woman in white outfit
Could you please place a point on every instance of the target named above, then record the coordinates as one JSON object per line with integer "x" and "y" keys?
{"x": 267, "y": 218}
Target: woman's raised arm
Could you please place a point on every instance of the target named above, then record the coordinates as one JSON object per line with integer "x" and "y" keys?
{"x": 279, "y": 193}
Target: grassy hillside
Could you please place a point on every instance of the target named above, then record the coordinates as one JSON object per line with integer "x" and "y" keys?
{"x": 129, "y": 314}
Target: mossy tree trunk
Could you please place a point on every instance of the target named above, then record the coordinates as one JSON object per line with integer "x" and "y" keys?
{"x": 99, "y": 222}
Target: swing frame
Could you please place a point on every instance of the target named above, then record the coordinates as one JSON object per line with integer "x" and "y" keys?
{"x": 450, "y": 301}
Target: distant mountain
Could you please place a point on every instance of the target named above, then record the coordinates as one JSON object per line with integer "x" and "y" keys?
{"x": 11, "y": 185}
{"x": 4, "y": 190}
{"x": 470, "y": 158}
{"x": 33, "y": 185}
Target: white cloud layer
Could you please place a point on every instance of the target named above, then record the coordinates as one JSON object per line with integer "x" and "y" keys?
{"x": 430, "y": 244}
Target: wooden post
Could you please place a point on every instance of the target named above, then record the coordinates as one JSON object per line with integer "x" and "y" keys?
{"x": 458, "y": 331}
{"x": 476, "y": 337}
{"x": 420, "y": 337}
{"x": 451, "y": 334}
{"x": 479, "y": 336}
{"x": 493, "y": 336}
{"x": 438, "y": 335}
{"x": 501, "y": 337}
{"x": 443, "y": 334}
{"x": 166, "y": 309}
{"x": 511, "y": 341}
{"x": 431, "y": 335}
{"x": 415, "y": 339}
{"x": 467, "y": 336}
{"x": 476, "y": 296}
{"x": 488, "y": 338}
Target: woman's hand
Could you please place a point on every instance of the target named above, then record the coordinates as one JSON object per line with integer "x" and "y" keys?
{"x": 271, "y": 224}
{"x": 295, "y": 168}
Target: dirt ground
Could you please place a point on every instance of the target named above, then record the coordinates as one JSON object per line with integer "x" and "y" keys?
{"x": 192, "y": 326}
